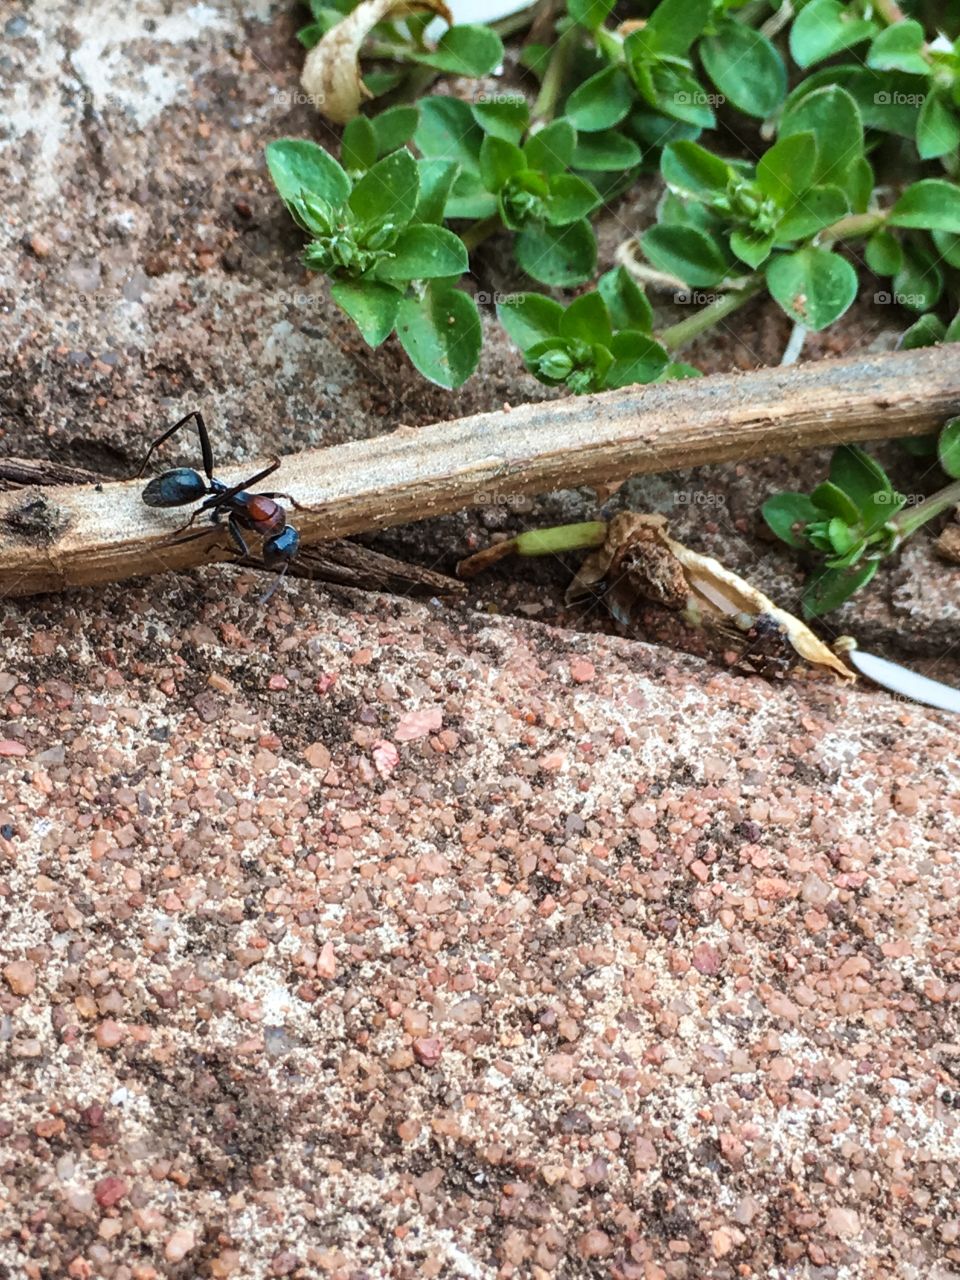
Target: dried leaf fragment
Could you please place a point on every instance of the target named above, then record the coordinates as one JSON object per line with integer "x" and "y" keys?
{"x": 331, "y": 73}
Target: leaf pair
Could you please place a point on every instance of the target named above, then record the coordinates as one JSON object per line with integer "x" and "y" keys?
{"x": 601, "y": 340}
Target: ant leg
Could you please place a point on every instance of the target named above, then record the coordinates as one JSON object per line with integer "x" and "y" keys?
{"x": 289, "y": 498}
{"x": 273, "y": 585}
{"x": 237, "y": 537}
{"x": 227, "y": 494}
{"x": 205, "y": 448}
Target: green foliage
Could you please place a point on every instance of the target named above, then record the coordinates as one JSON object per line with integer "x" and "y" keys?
{"x": 853, "y": 519}
{"x": 419, "y": 187}
{"x": 599, "y": 341}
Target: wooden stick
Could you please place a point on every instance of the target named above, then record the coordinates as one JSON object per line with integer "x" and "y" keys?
{"x": 55, "y": 538}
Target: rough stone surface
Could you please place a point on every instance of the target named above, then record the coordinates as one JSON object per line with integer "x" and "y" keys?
{"x": 360, "y": 939}
{"x": 315, "y": 1021}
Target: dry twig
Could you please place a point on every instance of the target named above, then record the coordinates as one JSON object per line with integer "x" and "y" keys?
{"x": 60, "y": 537}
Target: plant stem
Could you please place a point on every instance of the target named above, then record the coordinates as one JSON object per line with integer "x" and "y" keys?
{"x": 909, "y": 522}
{"x": 481, "y": 230}
{"x": 850, "y": 227}
{"x": 678, "y": 335}
{"x": 546, "y": 104}
{"x": 514, "y": 22}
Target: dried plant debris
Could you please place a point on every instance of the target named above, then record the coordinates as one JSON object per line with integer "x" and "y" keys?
{"x": 640, "y": 565}
{"x": 331, "y": 73}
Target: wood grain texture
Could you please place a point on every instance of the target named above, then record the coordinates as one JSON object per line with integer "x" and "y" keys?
{"x": 53, "y": 538}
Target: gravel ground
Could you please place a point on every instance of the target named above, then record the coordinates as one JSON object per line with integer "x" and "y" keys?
{"x": 365, "y": 939}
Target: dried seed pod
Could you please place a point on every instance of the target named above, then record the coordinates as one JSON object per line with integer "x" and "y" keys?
{"x": 640, "y": 565}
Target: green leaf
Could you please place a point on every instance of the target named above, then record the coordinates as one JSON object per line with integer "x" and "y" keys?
{"x": 570, "y": 199}
{"x": 358, "y": 147}
{"x": 674, "y": 25}
{"x": 948, "y": 448}
{"x": 865, "y": 482}
{"x": 886, "y": 100}
{"x": 829, "y": 497}
{"x": 899, "y": 48}
{"x": 691, "y": 255}
{"x": 530, "y": 318}
{"x": 464, "y": 50}
{"x": 560, "y": 256}
{"x": 502, "y": 116}
{"x": 785, "y": 170}
{"x": 469, "y": 198}
{"x": 442, "y": 334}
{"x": 751, "y": 247}
{"x": 600, "y": 102}
{"x": 394, "y": 128}
{"x": 842, "y": 537}
{"x": 636, "y": 358}
{"x": 677, "y": 369}
{"x": 925, "y": 332}
{"x": 745, "y": 67}
{"x": 298, "y": 165}
{"x": 499, "y": 161}
{"x": 817, "y": 208}
{"x": 690, "y": 170}
{"x": 550, "y": 149}
{"x": 948, "y": 246}
{"x": 953, "y": 330}
{"x": 371, "y": 306}
{"x": 919, "y": 282}
{"x": 606, "y": 152}
{"x": 388, "y": 192}
{"x": 883, "y": 253}
{"x": 626, "y": 301}
{"x": 788, "y": 514}
{"x": 590, "y": 13}
{"x": 938, "y": 129}
{"x": 829, "y": 588}
{"x": 814, "y": 286}
{"x": 832, "y": 116}
{"x": 587, "y": 319}
{"x": 932, "y": 203}
{"x": 425, "y": 252}
{"x": 436, "y": 182}
{"x": 448, "y": 131}
{"x": 653, "y": 131}
{"x": 823, "y": 28}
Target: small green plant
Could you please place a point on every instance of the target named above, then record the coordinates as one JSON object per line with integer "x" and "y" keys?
{"x": 856, "y": 518}
{"x": 602, "y": 340}
{"x": 378, "y": 238}
{"x": 857, "y": 111}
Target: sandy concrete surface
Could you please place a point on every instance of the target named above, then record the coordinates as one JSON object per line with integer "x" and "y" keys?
{"x": 363, "y": 938}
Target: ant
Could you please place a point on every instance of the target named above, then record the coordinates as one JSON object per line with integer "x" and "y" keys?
{"x": 254, "y": 512}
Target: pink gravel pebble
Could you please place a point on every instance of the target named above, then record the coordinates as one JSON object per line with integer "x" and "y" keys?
{"x": 21, "y": 977}
{"x": 178, "y": 1244}
{"x": 110, "y": 1191}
